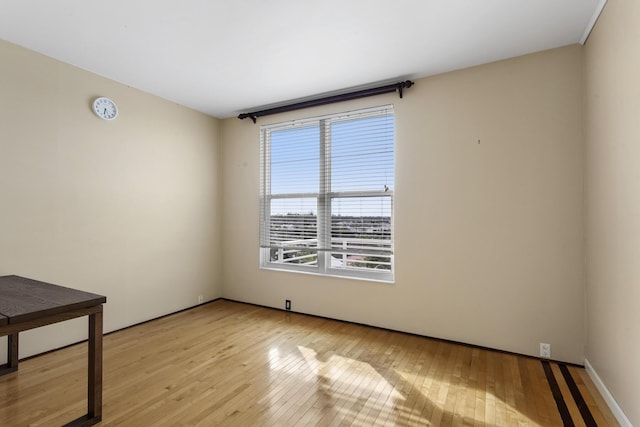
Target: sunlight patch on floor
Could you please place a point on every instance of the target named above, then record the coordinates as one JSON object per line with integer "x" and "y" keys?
{"x": 488, "y": 400}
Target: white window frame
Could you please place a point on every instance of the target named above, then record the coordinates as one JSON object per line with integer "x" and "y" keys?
{"x": 324, "y": 198}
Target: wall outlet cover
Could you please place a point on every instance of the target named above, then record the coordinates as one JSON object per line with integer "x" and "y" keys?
{"x": 545, "y": 350}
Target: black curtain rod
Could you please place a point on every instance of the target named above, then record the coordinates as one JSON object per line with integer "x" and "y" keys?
{"x": 330, "y": 99}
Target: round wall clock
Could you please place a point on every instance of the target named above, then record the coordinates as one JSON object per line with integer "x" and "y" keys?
{"x": 105, "y": 108}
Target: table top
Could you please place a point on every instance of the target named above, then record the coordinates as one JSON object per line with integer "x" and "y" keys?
{"x": 23, "y": 299}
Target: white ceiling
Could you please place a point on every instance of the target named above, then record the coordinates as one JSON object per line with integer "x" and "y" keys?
{"x": 223, "y": 57}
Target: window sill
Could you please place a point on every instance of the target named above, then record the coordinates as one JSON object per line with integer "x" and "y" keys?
{"x": 386, "y": 278}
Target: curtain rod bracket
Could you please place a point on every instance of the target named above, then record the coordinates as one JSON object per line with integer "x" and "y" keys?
{"x": 397, "y": 87}
{"x": 404, "y": 84}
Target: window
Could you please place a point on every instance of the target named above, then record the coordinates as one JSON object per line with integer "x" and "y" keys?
{"x": 326, "y": 195}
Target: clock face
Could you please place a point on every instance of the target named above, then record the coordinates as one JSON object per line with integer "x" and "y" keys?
{"x": 105, "y": 108}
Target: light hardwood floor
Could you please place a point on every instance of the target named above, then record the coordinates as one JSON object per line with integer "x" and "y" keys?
{"x": 232, "y": 364}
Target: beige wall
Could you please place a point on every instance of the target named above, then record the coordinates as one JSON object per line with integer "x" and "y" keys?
{"x": 489, "y": 235}
{"x": 489, "y": 239}
{"x": 612, "y": 77}
{"x": 129, "y": 208}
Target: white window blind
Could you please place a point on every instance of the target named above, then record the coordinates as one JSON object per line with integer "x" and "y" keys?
{"x": 327, "y": 194}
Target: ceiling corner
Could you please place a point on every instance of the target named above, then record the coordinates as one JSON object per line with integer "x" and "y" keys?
{"x": 593, "y": 20}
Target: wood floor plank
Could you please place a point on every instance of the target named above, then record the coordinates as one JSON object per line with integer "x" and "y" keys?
{"x": 546, "y": 413}
{"x": 566, "y": 393}
{"x": 416, "y": 400}
{"x": 235, "y": 364}
{"x": 592, "y": 397}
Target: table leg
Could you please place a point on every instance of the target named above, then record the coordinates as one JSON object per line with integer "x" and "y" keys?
{"x": 12, "y": 355}
{"x": 94, "y": 391}
{"x": 95, "y": 366}
{"x": 12, "y": 351}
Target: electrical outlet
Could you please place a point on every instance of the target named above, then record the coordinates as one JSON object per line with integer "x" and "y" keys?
{"x": 287, "y": 304}
{"x": 200, "y": 299}
{"x": 545, "y": 350}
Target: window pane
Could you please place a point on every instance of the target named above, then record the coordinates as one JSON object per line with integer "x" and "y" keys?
{"x": 294, "y": 222}
{"x": 361, "y": 233}
{"x": 295, "y": 160}
{"x": 293, "y": 228}
{"x": 362, "y": 154}
{"x": 294, "y": 256}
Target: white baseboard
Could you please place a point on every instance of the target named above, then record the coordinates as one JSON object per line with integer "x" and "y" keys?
{"x": 608, "y": 398}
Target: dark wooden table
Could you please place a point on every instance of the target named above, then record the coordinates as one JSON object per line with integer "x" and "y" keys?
{"x": 27, "y": 304}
